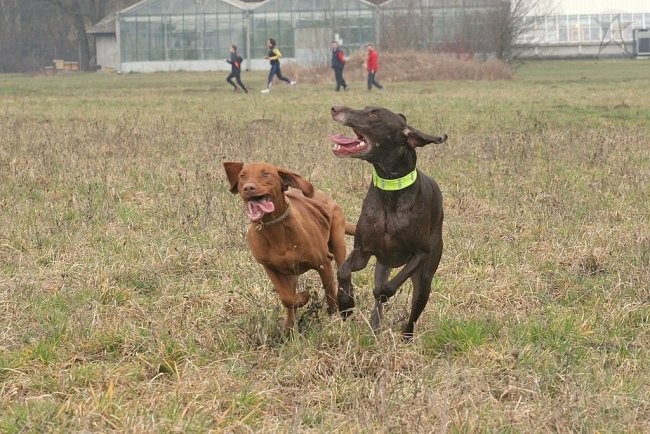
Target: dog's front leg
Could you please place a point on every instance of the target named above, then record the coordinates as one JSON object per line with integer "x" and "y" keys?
{"x": 381, "y": 277}
{"x": 357, "y": 260}
{"x": 384, "y": 292}
{"x": 285, "y": 285}
{"x": 326, "y": 274}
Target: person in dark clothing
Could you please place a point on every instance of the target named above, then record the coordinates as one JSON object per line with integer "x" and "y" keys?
{"x": 338, "y": 62}
{"x": 273, "y": 56}
{"x": 235, "y": 69}
{"x": 372, "y": 65}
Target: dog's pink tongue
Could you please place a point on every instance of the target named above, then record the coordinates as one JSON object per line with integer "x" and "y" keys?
{"x": 340, "y": 139}
{"x": 257, "y": 209}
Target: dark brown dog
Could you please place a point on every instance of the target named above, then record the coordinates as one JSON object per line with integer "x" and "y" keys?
{"x": 401, "y": 217}
{"x": 292, "y": 231}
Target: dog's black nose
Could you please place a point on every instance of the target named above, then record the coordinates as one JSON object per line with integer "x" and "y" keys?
{"x": 440, "y": 139}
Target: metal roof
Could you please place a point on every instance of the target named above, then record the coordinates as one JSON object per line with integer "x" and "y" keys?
{"x": 105, "y": 26}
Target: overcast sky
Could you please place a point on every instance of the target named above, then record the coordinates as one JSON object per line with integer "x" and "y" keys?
{"x": 599, "y": 6}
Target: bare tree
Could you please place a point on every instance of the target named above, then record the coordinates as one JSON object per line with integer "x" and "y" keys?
{"x": 34, "y": 32}
{"x": 8, "y": 25}
{"x": 425, "y": 25}
{"x": 458, "y": 26}
{"x": 82, "y": 14}
{"x": 506, "y": 22}
{"x": 73, "y": 9}
{"x": 29, "y": 33}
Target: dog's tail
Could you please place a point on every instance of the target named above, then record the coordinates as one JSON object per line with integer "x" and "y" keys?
{"x": 350, "y": 229}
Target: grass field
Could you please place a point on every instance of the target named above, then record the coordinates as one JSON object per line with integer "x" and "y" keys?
{"x": 130, "y": 302}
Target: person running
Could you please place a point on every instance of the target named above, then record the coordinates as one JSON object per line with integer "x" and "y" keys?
{"x": 372, "y": 65}
{"x": 235, "y": 69}
{"x": 338, "y": 62}
{"x": 273, "y": 56}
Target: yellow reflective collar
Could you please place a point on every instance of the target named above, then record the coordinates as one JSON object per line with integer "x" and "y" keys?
{"x": 394, "y": 184}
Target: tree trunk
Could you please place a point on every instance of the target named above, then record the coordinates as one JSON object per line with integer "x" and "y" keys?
{"x": 82, "y": 40}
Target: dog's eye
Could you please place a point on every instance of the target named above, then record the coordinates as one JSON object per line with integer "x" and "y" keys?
{"x": 373, "y": 115}
{"x": 266, "y": 174}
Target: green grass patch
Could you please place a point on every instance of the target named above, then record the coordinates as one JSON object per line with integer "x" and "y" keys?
{"x": 457, "y": 337}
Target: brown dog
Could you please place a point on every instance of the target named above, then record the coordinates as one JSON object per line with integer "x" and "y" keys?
{"x": 292, "y": 231}
{"x": 401, "y": 217}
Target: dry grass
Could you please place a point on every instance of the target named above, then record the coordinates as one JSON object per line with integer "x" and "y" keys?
{"x": 129, "y": 300}
{"x": 408, "y": 66}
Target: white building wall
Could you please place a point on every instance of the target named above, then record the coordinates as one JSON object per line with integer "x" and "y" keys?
{"x": 598, "y": 6}
{"x": 106, "y": 46}
{"x": 572, "y": 51}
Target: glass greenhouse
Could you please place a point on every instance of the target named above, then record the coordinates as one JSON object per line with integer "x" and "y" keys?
{"x": 436, "y": 24}
{"x": 305, "y": 28}
{"x": 162, "y": 30}
{"x": 594, "y": 28}
{"x": 197, "y": 34}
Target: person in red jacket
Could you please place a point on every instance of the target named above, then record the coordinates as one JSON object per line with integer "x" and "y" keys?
{"x": 372, "y": 65}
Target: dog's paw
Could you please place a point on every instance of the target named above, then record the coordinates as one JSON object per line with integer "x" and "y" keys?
{"x": 285, "y": 326}
{"x": 345, "y": 313}
{"x": 346, "y": 303}
{"x": 407, "y": 332}
{"x": 381, "y": 294}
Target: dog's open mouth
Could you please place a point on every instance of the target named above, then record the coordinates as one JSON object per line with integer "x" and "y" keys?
{"x": 258, "y": 207}
{"x": 347, "y": 146}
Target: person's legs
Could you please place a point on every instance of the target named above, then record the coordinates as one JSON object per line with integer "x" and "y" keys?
{"x": 272, "y": 73}
{"x": 340, "y": 82}
{"x": 229, "y": 80}
{"x": 279, "y": 74}
{"x": 270, "y": 79}
{"x": 373, "y": 82}
{"x": 238, "y": 78}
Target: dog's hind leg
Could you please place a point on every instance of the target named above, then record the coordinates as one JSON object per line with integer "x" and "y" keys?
{"x": 357, "y": 260}
{"x": 381, "y": 277}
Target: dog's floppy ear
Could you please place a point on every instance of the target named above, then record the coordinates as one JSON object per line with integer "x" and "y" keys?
{"x": 416, "y": 138}
{"x": 290, "y": 179}
{"x": 232, "y": 171}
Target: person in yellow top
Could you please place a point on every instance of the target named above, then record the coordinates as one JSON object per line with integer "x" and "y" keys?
{"x": 273, "y": 56}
